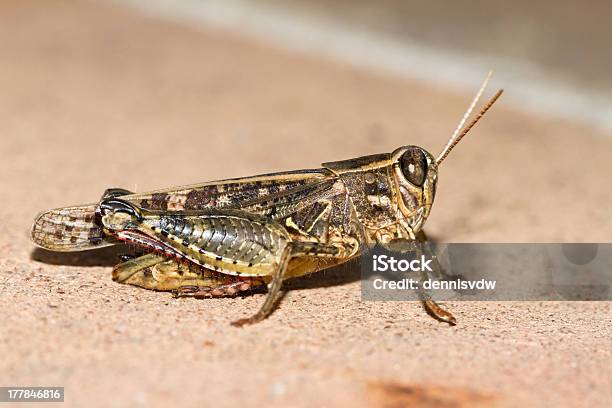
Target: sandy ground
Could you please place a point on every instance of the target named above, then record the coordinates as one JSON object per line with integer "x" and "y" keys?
{"x": 93, "y": 96}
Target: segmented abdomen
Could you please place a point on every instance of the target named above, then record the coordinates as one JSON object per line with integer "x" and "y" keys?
{"x": 232, "y": 244}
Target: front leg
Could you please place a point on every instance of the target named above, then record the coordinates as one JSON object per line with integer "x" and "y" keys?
{"x": 432, "y": 308}
{"x": 422, "y": 247}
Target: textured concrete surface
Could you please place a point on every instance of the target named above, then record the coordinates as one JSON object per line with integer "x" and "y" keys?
{"x": 92, "y": 96}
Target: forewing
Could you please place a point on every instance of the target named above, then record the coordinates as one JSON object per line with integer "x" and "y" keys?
{"x": 69, "y": 229}
{"x": 248, "y": 194}
{"x": 271, "y": 195}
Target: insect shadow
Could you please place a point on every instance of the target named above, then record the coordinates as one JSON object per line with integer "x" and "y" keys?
{"x": 109, "y": 256}
{"x": 343, "y": 274}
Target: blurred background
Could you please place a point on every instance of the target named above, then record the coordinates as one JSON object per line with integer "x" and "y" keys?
{"x": 551, "y": 55}
{"x": 246, "y": 87}
{"x": 148, "y": 94}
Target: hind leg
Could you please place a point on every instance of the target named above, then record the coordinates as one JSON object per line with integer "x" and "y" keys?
{"x": 421, "y": 247}
{"x": 155, "y": 272}
{"x": 150, "y": 271}
{"x": 128, "y": 271}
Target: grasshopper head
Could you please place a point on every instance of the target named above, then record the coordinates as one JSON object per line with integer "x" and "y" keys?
{"x": 392, "y": 194}
{"x": 415, "y": 174}
{"x": 416, "y": 171}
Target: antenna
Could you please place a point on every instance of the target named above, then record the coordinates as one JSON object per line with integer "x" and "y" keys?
{"x": 461, "y": 131}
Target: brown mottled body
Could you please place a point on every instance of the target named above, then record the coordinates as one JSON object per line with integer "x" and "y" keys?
{"x": 228, "y": 236}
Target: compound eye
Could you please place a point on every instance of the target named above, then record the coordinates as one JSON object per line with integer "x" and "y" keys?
{"x": 414, "y": 166}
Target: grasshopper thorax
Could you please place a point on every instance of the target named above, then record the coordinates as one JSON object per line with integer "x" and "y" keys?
{"x": 391, "y": 193}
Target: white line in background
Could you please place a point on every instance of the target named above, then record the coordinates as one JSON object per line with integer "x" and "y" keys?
{"x": 526, "y": 86}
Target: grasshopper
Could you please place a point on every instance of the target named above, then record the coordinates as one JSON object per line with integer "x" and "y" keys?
{"x": 225, "y": 237}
